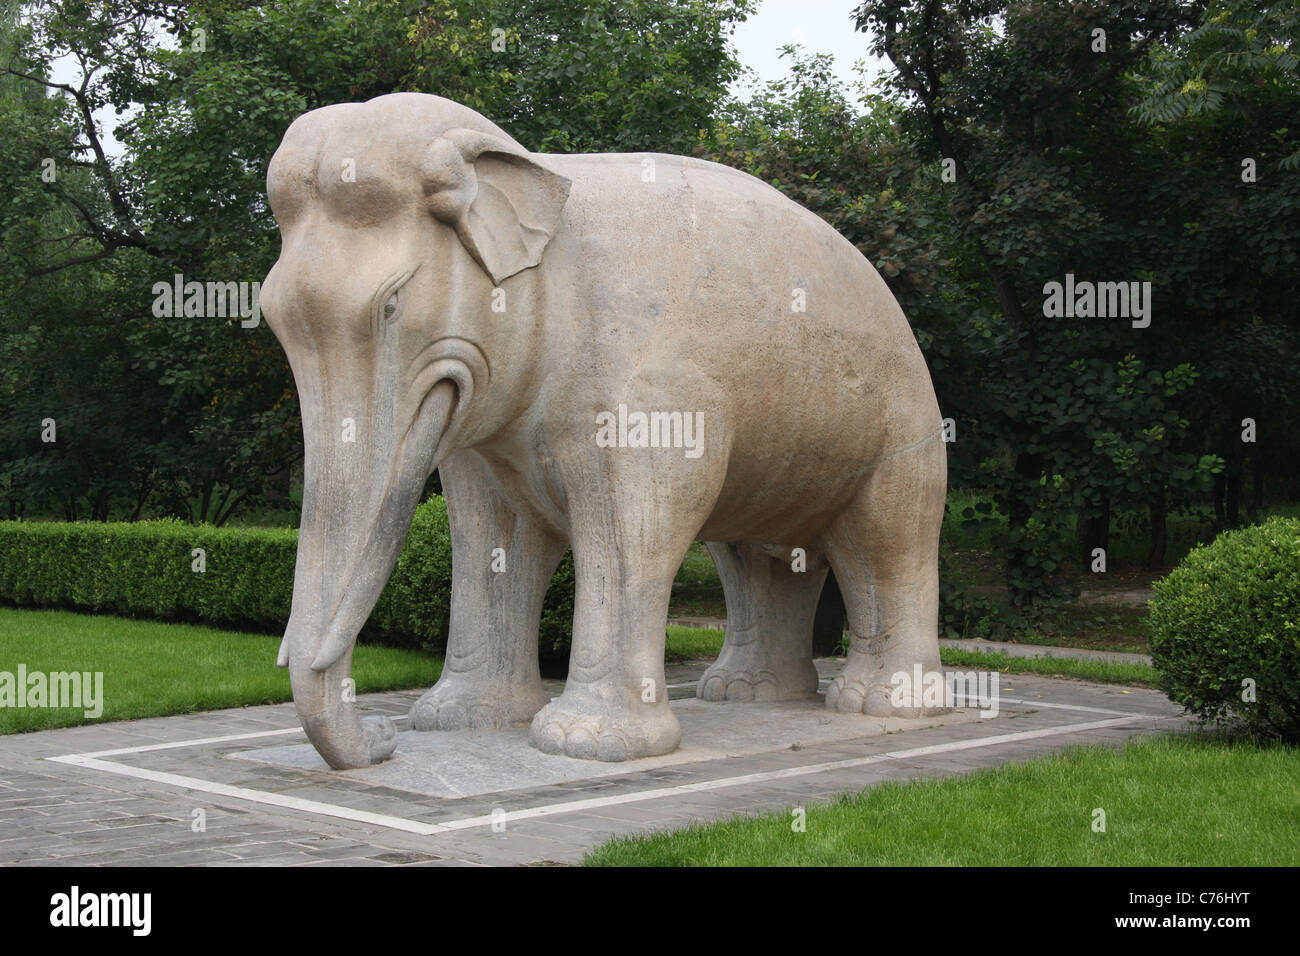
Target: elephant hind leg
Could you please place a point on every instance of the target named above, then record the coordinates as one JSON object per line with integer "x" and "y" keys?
{"x": 491, "y": 677}
{"x": 884, "y": 549}
{"x": 767, "y": 653}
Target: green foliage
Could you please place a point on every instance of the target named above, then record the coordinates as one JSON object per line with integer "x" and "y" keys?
{"x": 586, "y": 76}
{"x": 1117, "y": 166}
{"x": 1225, "y": 629}
{"x": 962, "y": 613}
{"x": 555, "y": 633}
{"x": 848, "y": 162}
{"x": 1067, "y": 420}
{"x": 1240, "y": 53}
{"x": 194, "y": 417}
{"x": 145, "y": 569}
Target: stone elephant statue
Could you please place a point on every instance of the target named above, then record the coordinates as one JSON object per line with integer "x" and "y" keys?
{"x": 618, "y": 353}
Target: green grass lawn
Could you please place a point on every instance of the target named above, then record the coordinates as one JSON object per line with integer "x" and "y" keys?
{"x": 152, "y": 668}
{"x": 692, "y": 644}
{"x": 1181, "y": 801}
{"x": 1100, "y": 672}
{"x": 697, "y": 590}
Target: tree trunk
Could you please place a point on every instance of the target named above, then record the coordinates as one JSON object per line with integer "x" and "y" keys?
{"x": 1227, "y": 485}
{"x": 1019, "y": 510}
{"x": 1232, "y": 504}
{"x": 1092, "y": 530}
{"x": 227, "y": 508}
{"x": 142, "y": 496}
{"x": 1159, "y": 532}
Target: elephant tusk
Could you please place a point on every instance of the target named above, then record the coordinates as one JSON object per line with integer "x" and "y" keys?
{"x": 337, "y": 641}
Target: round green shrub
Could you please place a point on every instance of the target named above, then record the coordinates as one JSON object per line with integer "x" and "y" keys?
{"x": 1225, "y": 629}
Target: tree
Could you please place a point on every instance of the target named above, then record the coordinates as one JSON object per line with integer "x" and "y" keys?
{"x": 206, "y": 89}
{"x": 591, "y": 76}
{"x": 1220, "y": 105}
{"x": 1028, "y": 104}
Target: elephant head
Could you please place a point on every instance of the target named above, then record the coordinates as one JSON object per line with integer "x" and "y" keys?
{"x": 398, "y": 217}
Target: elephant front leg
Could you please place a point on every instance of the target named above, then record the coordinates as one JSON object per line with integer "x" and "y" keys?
{"x": 615, "y": 702}
{"x": 490, "y": 678}
{"x": 767, "y": 654}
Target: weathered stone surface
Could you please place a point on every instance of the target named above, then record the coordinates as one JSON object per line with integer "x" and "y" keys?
{"x": 526, "y": 323}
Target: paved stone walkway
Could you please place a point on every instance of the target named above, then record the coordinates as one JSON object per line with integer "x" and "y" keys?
{"x": 174, "y": 791}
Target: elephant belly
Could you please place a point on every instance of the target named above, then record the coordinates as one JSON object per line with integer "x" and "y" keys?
{"x": 781, "y": 500}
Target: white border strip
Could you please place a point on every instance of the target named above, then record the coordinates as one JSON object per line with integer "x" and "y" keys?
{"x": 194, "y": 742}
{"x": 572, "y": 806}
{"x": 145, "y": 748}
{"x": 242, "y": 793}
{"x": 1080, "y": 707}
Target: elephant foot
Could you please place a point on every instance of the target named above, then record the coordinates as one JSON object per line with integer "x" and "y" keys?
{"x": 876, "y": 698}
{"x": 743, "y": 675}
{"x": 464, "y": 705}
{"x": 593, "y": 730}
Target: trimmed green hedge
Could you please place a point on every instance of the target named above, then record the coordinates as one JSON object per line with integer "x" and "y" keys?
{"x": 1225, "y": 629}
{"x": 145, "y": 569}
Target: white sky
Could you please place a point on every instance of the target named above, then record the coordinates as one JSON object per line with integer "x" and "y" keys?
{"x": 822, "y": 26}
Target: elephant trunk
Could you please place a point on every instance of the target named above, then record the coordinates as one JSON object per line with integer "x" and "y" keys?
{"x": 358, "y": 502}
{"x": 328, "y": 713}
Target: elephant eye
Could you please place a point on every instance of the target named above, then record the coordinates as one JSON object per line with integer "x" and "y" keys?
{"x": 390, "y": 307}
{"x": 387, "y": 311}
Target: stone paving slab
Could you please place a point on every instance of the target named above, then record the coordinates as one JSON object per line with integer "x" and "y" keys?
{"x": 472, "y": 762}
{"x": 104, "y": 813}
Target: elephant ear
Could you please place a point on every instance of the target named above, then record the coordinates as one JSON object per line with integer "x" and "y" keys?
{"x": 504, "y": 206}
